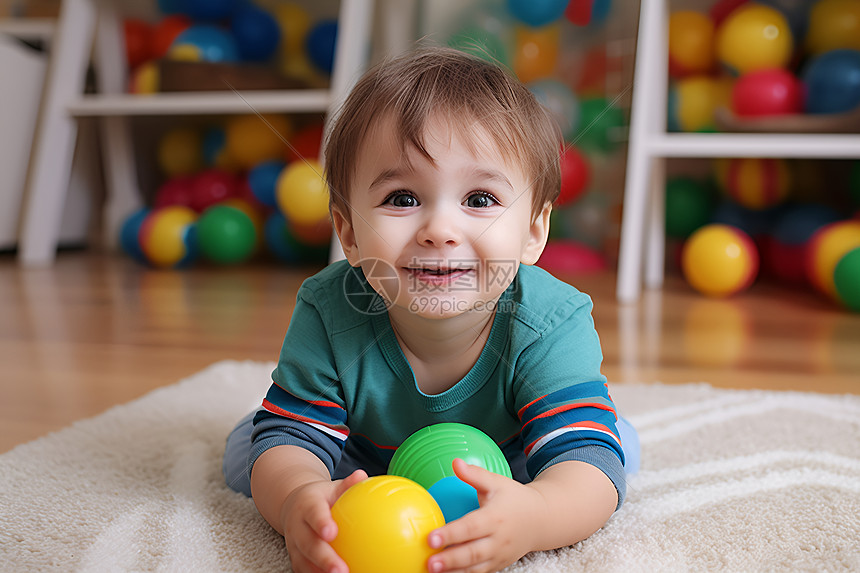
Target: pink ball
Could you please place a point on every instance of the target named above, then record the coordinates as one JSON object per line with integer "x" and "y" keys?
{"x": 767, "y": 92}
{"x": 210, "y": 187}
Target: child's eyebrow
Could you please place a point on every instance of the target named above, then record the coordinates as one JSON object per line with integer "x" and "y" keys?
{"x": 492, "y": 175}
{"x": 386, "y": 176}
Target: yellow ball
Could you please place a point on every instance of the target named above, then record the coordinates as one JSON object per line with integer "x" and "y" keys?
{"x": 691, "y": 43}
{"x": 383, "y": 523}
{"x": 753, "y": 182}
{"x": 827, "y": 246}
{"x": 302, "y": 193}
{"x": 719, "y": 260}
{"x": 145, "y": 79}
{"x": 185, "y": 53}
{"x": 166, "y": 237}
{"x": 180, "y": 152}
{"x": 833, "y": 25}
{"x": 295, "y": 23}
{"x": 252, "y": 139}
{"x": 754, "y": 37}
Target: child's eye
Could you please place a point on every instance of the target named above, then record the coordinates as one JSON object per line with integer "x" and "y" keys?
{"x": 401, "y": 199}
{"x": 481, "y": 200}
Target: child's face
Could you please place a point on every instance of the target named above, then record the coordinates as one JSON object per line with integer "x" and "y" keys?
{"x": 453, "y": 232}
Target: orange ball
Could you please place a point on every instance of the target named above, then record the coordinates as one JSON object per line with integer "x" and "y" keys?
{"x": 753, "y": 182}
{"x": 252, "y": 139}
{"x": 719, "y": 260}
{"x": 536, "y": 52}
{"x": 691, "y": 43}
{"x": 826, "y": 247}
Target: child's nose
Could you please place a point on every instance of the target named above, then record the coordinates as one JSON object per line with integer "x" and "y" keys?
{"x": 440, "y": 228}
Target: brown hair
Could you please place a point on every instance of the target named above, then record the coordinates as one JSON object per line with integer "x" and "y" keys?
{"x": 430, "y": 80}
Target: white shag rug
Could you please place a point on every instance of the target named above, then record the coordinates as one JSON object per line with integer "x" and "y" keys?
{"x": 730, "y": 481}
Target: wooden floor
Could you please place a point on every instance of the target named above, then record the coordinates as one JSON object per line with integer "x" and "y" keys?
{"x": 96, "y": 330}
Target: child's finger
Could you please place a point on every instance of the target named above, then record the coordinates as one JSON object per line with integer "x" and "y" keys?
{"x": 475, "y": 556}
{"x": 318, "y": 518}
{"x": 482, "y": 480}
{"x": 470, "y": 527}
{"x": 346, "y": 483}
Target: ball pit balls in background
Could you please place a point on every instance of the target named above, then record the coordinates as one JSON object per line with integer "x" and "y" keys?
{"x": 164, "y": 32}
{"x": 846, "y": 279}
{"x": 316, "y": 234}
{"x": 691, "y": 43}
{"x": 282, "y": 242}
{"x": 767, "y": 92}
{"x": 137, "y": 41}
{"x": 689, "y": 204}
{"x": 382, "y": 526}
{"x": 754, "y": 37}
{"x": 210, "y": 187}
{"x": 719, "y": 260}
{"x": 263, "y": 180}
{"x": 209, "y": 10}
{"x": 226, "y": 235}
{"x": 129, "y": 234}
{"x": 784, "y": 252}
{"x": 294, "y": 23}
{"x": 215, "y": 153}
{"x": 257, "y": 33}
{"x": 252, "y": 139}
{"x": 204, "y": 43}
{"x": 167, "y": 237}
{"x": 796, "y": 12}
{"x": 599, "y": 123}
{"x": 145, "y": 79}
{"x": 302, "y": 193}
{"x": 693, "y": 102}
{"x": 320, "y": 44}
{"x": 753, "y": 222}
{"x": 180, "y": 152}
{"x": 833, "y": 25}
{"x": 561, "y": 103}
{"x": 827, "y": 246}
{"x": 721, "y": 9}
{"x": 832, "y": 82}
{"x": 575, "y": 176}
{"x": 306, "y": 143}
{"x": 570, "y": 257}
{"x": 427, "y": 455}
{"x": 755, "y": 183}
{"x": 535, "y": 52}
{"x": 174, "y": 191}
{"x": 537, "y": 13}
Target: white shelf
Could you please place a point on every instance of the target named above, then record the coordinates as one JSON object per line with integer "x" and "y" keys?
{"x": 804, "y": 145}
{"x": 264, "y": 101}
{"x": 28, "y": 28}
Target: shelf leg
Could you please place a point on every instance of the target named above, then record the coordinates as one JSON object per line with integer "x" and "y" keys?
{"x": 655, "y": 233}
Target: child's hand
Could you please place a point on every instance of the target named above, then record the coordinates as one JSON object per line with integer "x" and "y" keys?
{"x": 501, "y": 531}
{"x": 309, "y": 528}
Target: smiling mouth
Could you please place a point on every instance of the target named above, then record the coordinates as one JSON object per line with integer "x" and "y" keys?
{"x": 437, "y": 274}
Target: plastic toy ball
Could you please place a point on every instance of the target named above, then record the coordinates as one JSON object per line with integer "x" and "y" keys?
{"x": 798, "y": 223}
{"x": 691, "y": 43}
{"x": 145, "y": 79}
{"x": 215, "y": 152}
{"x": 383, "y": 523}
{"x": 455, "y": 497}
{"x": 210, "y": 187}
{"x": 210, "y": 10}
{"x": 832, "y": 82}
{"x": 263, "y": 181}
{"x": 165, "y": 32}
{"x": 599, "y": 122}
{"x": 226, "y": 235}
{"x": 129, "y": 233}
{"x": 571, "y": 258}
{"x": 320, "y": 44}
{"x": 294, "y": 22}
{"x": 257, "y": 33}
{"x": 317, "y": 234}
{"x": 306, "y": 143}
{"x": 204, "y": 43}
{"x": 168, "y": 237}
{"x": 693, "y": 102}
{"x": 846, "y": 279}
{"x": 767, "y": 92}
{"x": 174, "y": 191}
{"x": 754, "y": 37}
{"x": 833, "y": 25}
{"x": 428, "y": 454}
{"x": 537, "y": 13}
{"x": 282, "y": 242}
{"x": 561, "y": 103}
{"x": 575, "y": 176}
{"x": 689, "y": 204}
{"x": 179, "y": 152}
{"x": 826, "y": 248}
{"x": 302, "y": 193}
{"x": 719, "y": 260}
{"x": 754, "y": 183}
{"x": 796, "y": 12}
{"x": 535, "y": 53}
{"x": 252, "y": 139}
{"x": 721, "y": 9}
{"x": 138, "y": 36}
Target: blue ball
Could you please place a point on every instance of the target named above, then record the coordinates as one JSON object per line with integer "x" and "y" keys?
{"x": 799, "y": 222}
{"x": 832, "y": 82}
{"x": 753, "y": 222}
{"x": 537, "y": 13}
{"x": 214, "y": 141}
{"x": 263, "y": 180}
{"x": 128, "y": 235}
{"x": 455, "y": 497}
{"x": 210, "y": 10}
{"x": 286, "y": 247}
{"x": 257, "y": 33}
{"x": 600, "y": 11}
{"x": 215, "y": 44}
{"x": 320, "y": 44}
{"x": 172, "y": 6}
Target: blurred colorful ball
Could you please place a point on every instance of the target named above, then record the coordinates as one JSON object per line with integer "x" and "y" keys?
{"x": 575, "y": 176}
{"x": 210, "y": 10}
{"x": 215, "y": 153}
{"x": 129, "y": 234}
{"x": 165, "y": 32}
{"x": 167, "y": 237}
{"x": 767, "y": 92}
{"x": 282, "y": 243}
{"x": 566, "y": 256}
{"x": 754, "y": 37}
{"x": 180, "y": 152}
{"x": 256, "y": 32}
{"x": 796, "y": 12}
{"x": 305, "y": 143}
{"x": 204, "y": 43}
{"x": 826, "y": 248}
{"x": 302, "y": 193}
{"x": 693, "y": 102}
{"x": 721, "y": 9}
{"x": 317, "y": 234}
{"x": 754, "y": 183}
{"x": 174, "y": 191}
{"x": 145, "y": 79}
{"x": 138, "y": 38}
{"x": 535, "y": 53}
{"x": 383, "y": 523}
{"x": 691, "y": 43}
{"x": 833, "y": 25}
{"x": 252, "y": 139}
{"x": 719, "y": 260}
{"x": 294, "y": 23}
{"x": 832, "y": 82}
{"x": 599, "y": 124}
{"x": 320, "y": 44}
{"x": 798, "y": 223}
{"x": 263, "y": 179}
{"x": 561, "y": 102}
{"x": 537, "y": 13}
{"x": 210, "y": 187}
{"x": 689, "y": 204}
{"x": 226, "y": 235}
{"x": 846, "y": 279}
{"x": 753, "y": 222}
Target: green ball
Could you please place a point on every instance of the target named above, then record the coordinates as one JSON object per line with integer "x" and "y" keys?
{"x": 226, "y": 235}
{"x": 599, "y": 125}
{"x": 427, "y": 455}
{"x": 846, "y": 277}
{"x": 689, "y": 204}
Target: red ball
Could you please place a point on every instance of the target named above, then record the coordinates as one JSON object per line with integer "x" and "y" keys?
{"x": 305, "y": 144}
{"x": 210, "y": 187}
{"x": 570, "y": 257}
{"x": 165, "y": 31}
{"x": 575, "y": 175}
{"x": 721, "y": 9}
{"x": 175, "y": 191}
{"x": 767, "y": 92}
{"x": 138, "y": 36}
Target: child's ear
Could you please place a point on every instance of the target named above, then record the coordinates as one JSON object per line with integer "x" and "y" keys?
{"x": 346, "y": 235}
{"x": 538, "y": 236}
